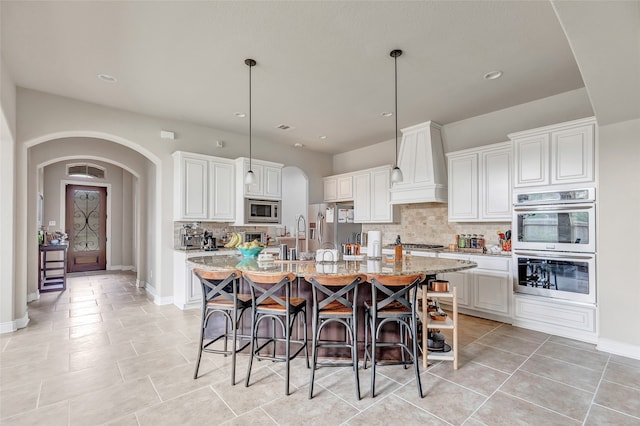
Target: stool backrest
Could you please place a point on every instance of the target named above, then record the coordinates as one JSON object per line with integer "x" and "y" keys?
{"x": 396, "y": 288}
{"x": 216, "y": 283}
{"x": 267, "y": 286}
{"x": 347, "y": 283}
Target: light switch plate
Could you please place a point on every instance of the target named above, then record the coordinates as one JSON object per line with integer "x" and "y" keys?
{"x": 52, "y": 223}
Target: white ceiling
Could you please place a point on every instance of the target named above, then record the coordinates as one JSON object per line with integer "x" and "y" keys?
{"x": 323, "y": 67}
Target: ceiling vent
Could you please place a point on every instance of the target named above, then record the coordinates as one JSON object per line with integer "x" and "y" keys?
{"x": 86, "y": 171}
{"x": 284, "y": 127}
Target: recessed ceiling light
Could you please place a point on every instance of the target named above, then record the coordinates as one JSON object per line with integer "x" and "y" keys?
{"x": 107, "y": 78}
{"x": 240, "y": 114}
{"x": 298, "y": 145}
{"x": 323, "y": 137}
{"x": 493, "y": 75}
{"x": 386, "y": 114}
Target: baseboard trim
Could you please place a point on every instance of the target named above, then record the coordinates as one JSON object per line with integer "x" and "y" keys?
{"x": 120, "y": 268}
{"x": 151, "y": 290}
{"x": 11, "y": 326}
{"x": 619, "y": 348}
{"x": 33, "y": 296}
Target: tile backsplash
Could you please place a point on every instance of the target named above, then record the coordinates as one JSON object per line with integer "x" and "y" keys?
{"x": 220, "y": 229}
{"x": 428, "y": 223}
{"x": 419, "y": 223}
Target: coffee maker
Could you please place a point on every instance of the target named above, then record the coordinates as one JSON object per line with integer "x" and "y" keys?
{"x": 209, "y": 241}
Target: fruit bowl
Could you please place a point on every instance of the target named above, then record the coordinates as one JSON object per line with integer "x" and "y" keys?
{"x": 250, "y": 251}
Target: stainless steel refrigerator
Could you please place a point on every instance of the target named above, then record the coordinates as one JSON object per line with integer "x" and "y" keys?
{"x": 330, "y": 225}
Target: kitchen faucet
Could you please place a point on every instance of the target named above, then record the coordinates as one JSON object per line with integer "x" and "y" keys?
{"x": 297, "y": 234}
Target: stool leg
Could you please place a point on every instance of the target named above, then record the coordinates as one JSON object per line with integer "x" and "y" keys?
{"x": 314, "y": 351}
{"x": 253, "y": 344}
{"x": 373, "y": 356}
{"x": 354, "y": 351}
{"x": 226, "y": 335}
{"x": 202, "y": 326}
{"x": 402, "y": 331}
{"x": 414, "y": 331}
{"x": 366, "y": 339}
{"x": 287, "y": 351}
{"x": 234, "y": 333}
{"x": 304, "y": 335}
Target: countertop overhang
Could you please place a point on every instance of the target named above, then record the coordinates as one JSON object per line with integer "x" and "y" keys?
{"x": 408, "y": 266}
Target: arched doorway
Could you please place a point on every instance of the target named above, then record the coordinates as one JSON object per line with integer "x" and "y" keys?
{"x": 110, "y": 149}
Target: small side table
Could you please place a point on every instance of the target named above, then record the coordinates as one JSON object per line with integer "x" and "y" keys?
{"x": 52, "y": 271}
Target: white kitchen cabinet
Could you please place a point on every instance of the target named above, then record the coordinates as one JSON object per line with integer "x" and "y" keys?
{"x": 496, "y": 182}
{"x": 463, "y": 187}
{"x": 187, "y": 290}
{"x": 371, "y": 196}
{"x": 484, "y": 291}
{"x": 190, "y": 186}
{"x": 557, "y": 155}
{"x": 491, "y": 291}
{"x": 572, "y": 152}
{"x": 338, "y": 188}
{"x": 480, "y": 184}
{"x": 268, "y": 179}
{"x": 532, "y": 160}
{"x": 362, "y": 197}
{"x": 222, "y": 190}
{"x": 461, "y": 282}
{"x": 203, "y": 187}
{"x": 573, "y": 320}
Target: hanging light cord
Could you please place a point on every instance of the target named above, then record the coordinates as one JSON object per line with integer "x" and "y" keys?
{"x": 250, "y": 156}
{"x": 395, "y": 62}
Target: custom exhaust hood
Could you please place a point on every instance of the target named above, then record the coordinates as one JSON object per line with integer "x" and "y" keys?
{"x": 421, "y": 160}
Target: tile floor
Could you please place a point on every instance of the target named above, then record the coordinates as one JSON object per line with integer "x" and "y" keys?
{"x": 102, "y": 353}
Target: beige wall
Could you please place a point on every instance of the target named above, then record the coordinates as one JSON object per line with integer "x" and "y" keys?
{"x": 119, "y": 198}
{"x": 12, "y": 301}
{"x": 479, "y": 131}
{"x": 618, "y": 236}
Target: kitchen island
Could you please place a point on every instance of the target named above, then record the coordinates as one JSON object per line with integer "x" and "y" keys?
{"x": 430, "y": 266}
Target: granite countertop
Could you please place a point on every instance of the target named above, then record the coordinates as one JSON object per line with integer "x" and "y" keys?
{"x": 219, "y": 251}
{"x": 409, "y": 265}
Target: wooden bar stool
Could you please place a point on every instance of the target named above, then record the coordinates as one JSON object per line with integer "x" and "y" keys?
{"x": 334, "y": 300}
{"x": 220, "y": 295}
{"x": 393, "y": 299}
{"x": 268, "y": 302}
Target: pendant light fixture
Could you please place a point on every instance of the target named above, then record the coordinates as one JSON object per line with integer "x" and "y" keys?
{"x": 250, "y": 178}
{"x": 396, "y": 174}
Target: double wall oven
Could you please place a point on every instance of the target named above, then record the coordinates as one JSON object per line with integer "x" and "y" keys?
{"x": 554, "y": 244}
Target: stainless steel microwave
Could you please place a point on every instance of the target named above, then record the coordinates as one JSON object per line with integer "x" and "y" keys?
{"x": 262, "y": 211}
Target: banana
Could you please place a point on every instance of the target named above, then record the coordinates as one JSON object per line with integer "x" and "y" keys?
{"x": 237, "y": 239}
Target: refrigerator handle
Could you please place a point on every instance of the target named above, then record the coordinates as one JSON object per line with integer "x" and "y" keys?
{"x": 320, "y": 227}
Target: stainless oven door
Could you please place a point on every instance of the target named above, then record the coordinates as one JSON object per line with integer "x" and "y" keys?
{"x": 570, "y": 276}
{"x": 565, "y": 227}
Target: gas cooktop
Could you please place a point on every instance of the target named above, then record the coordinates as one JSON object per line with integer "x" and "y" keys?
{"x": 422, "y": 246}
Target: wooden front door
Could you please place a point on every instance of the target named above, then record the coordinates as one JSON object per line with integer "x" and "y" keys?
{"x": 86, "y": 223}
